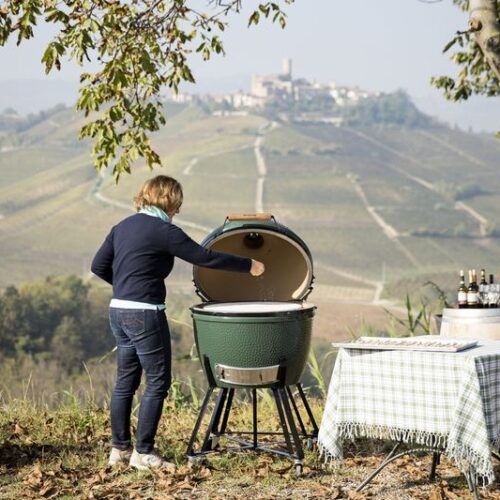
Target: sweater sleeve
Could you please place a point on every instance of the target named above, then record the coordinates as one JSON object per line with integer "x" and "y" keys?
{"x": 103, "y": 260}
{"x": 182, "y": 246}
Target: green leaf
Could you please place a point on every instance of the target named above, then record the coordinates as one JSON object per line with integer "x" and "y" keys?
{"x": 146, "y": 63}
{"x": 449, "y": 45}
{"x": 264, "y": 9}
{"x": 133, "y": 154}
{"x": 254, "y": 18}
{"x": 115, "y": 113}
{"x": 49, "y": 57}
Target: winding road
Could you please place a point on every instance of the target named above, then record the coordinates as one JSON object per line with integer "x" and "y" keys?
{"x": 387, "y": 229}
{"x": 261, "y": 165}
{"x": 460, "y": 206}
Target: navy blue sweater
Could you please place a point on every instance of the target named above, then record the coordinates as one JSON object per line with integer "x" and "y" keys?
{"x": 138, "y": 254}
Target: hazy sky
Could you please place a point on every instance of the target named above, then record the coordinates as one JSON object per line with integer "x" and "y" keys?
{"x": 379, "y": 45}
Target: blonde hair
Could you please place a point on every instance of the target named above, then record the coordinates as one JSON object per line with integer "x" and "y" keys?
{"x": 161, "y": 191}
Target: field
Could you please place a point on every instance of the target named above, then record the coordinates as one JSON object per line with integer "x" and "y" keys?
{"x": 62, "y": 454}
{"x": 375, "y": 205}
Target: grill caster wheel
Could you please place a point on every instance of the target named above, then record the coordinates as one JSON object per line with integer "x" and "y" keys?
{"x": 298, "y": 469}
{"x": 214, "y": 442}
{"x": 194, "y": 460}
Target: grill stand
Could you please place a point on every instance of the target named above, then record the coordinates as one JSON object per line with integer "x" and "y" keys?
{"x": 289, "y": 416}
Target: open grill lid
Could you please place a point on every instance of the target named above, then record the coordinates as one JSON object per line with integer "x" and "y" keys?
{"x": 289, "y": 266}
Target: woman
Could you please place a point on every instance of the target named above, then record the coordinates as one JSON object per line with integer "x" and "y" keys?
{"x": 136, "y": 257}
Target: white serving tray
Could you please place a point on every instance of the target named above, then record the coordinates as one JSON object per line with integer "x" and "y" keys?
{"x": 434, "y": 343}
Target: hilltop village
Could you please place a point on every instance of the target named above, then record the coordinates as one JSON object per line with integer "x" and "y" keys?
{"x": 310, "y": 100}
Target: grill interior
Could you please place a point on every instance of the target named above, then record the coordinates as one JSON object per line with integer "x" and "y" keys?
{"x": 288, "y": 268}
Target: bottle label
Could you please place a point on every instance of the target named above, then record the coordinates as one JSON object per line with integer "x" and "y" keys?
{"x": 462, "y": 298}
{"x": 471, "y": 297}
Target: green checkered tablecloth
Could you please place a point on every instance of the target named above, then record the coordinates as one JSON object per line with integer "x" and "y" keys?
{"x": 450, "y": 400}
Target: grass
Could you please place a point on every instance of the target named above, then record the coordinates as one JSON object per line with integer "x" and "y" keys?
{"x": 284, "y": 140}
{"x": 62, "y": 453}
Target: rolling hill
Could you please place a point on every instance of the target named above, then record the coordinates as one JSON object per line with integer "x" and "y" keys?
{"x": 376, "y": 205}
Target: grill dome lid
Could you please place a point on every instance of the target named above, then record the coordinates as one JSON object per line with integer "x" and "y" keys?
{"x": 288, "y": 261}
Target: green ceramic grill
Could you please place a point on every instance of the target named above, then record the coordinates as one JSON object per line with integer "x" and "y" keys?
{"x": 255, "y": 332}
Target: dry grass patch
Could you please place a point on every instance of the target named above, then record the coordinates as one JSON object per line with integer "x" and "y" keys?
{"x": 63, "y": 453}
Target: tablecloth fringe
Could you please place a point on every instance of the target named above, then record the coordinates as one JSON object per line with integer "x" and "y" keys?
{"x": 329, "y": 458}
{"x": 496, "y": 443}
{"x": 460, "y": 454}
{"x": 463, "y": 456}
{"x": 354, "y": 430}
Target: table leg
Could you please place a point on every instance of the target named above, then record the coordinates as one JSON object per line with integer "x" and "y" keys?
{"x": 472, "y": 483}
{"x": 435, "y": 461}
{"x": 470, "y": 476}
{"x": 386, "y": 461}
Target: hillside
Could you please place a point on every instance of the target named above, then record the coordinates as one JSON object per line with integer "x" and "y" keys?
{"x": 375, "y": 204}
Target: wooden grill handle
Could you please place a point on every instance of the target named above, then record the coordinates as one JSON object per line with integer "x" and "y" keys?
{"x": 256, "y": 216}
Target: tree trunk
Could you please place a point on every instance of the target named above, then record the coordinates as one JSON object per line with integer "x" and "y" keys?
{"x": 483, "y": 16}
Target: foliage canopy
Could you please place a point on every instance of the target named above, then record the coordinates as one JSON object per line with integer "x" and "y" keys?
{"x": 139, "y": 46}
{"x": 142, "y": 45}
{"x": 54, "y": 318}
{"x": 475, "y": 75}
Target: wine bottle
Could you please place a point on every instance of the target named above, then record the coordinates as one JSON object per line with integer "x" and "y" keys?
{"x": 492, "y": 296}
{"x": 462, "y": 292}
{"x": 472, "y": 290}
{"x": 483, "y": 290}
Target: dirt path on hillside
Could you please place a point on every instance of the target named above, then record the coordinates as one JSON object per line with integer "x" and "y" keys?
{"x": 459, "y": 206}
{"x": 261, "y": 165}
{"x": 388, "y": 230}
{"x": 378, "y": 286}
{"x": 188, "y": 170}
{"x": 449, "y": 146}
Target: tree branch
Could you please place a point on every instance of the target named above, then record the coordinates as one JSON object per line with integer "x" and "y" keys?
{"x": 483, "y": 21}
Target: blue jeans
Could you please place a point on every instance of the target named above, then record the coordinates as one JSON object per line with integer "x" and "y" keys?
{"x": 143, "y": 343}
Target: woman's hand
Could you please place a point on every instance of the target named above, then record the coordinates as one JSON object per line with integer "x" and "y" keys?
{"x": 257, "y": 268}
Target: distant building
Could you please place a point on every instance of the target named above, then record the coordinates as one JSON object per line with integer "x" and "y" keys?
{"x": 180, "y": 98}
{"x": 283, "y": 87}
{"x": 242, "y": 100}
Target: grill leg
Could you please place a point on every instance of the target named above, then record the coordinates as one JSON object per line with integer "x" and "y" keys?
{"x": 254, "y": 419}
{"x": 277, "y": 398}
{"x": 208, "y": 443}
{"x": 291, "y": 423}
{"x": 296, "y": 410}
{"x": 198, "y": 421}
{"x": 227, "y": 410}
{"x": 308, "y": 410}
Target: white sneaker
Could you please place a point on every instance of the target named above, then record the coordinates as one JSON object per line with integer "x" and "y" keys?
{"x": 119, "y": 456}
{"x": 153, "y": 460}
